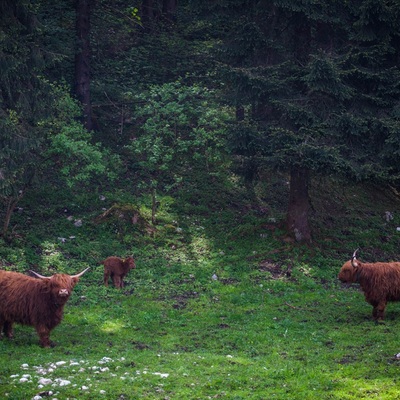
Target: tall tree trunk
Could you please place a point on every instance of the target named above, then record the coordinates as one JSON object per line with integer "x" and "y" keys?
{"x": 153, "y": 206}
{"x": 239, "y": 113}
{"x": 169, "y": 9}
{"x": 148, "y": 12}
{"x": 82, "y": 60}
{"x": 11, "y": 204}
{"x": 9, "y": 210}
{"x": 297, "y": 220}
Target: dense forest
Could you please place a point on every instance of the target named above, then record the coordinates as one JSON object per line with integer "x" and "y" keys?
{"x": 92, "y": 91}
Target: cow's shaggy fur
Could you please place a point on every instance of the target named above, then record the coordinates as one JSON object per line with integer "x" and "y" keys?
{"x": 36, "y": 302}
{"x": 379, "y": 281}
{"x": 117, "y": 268}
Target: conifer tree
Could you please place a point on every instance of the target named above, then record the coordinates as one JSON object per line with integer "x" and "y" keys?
{"x": 39, "y": 131}
{"x": 316, "y": 87}
{"x": 82, "y": 60}
{"x": 20, "y": 93}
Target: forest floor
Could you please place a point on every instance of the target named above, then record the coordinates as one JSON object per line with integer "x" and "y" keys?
{"x": 220, "y": 305}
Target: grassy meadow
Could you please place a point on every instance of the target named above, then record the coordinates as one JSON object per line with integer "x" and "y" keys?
{"x": 221, "y": 304}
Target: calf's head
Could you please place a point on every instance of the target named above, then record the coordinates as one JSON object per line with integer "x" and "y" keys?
{"x": 130, "y": 263}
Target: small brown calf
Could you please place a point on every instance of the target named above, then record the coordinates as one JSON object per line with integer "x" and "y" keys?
{"x": 117, "y": 268}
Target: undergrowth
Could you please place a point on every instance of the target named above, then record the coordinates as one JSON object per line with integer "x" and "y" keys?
{"x": 219, "y": 306}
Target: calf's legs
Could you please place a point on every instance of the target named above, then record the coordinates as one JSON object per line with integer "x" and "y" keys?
{"x": 106, "y": 276}
{"x": 117, "y": 280}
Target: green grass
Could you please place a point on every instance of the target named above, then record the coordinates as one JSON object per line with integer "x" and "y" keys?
{"x": 236, "y": 341}
{"x": 276, "y": 324}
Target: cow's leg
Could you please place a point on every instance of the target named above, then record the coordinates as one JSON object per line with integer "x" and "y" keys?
{"x": 381, "y": 311}
{"x": 8, "y": 329}
{"x": 378, "y": 312}
{"x": 44, "y": 336}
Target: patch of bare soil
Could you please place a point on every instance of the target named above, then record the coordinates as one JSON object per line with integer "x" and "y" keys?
{"x": 182, "y": 299}
{"x": 277, "y": 270}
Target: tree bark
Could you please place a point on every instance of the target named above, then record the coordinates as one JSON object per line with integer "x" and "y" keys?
{"x": 153, "y": 206}
{"x": 10, "y": 207}
{"x": 148, "y": 12}
{"x": 240, "y": 113}
{"x": 82, "y": 60}
{"x": 169, "y": 9}
{"x": 297, "y": 220}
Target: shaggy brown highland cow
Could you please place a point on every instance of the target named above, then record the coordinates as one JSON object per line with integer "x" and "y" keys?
{"x": 117, "y": 268}
{"x": 379, "y": 281}
{"x": 36, "y": 302}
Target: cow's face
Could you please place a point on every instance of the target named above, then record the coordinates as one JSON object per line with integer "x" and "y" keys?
{"x": 61, "y": 286}
{"x": 348, "y": 273}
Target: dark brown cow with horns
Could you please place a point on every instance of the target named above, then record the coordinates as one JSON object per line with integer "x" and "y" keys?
{"x": 36, "y": 302}
{"x": 379, "y": 281}
{"x": 117, "y": 268}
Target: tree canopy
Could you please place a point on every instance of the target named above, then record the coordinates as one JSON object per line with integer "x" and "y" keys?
{"x": 317, "y": 84}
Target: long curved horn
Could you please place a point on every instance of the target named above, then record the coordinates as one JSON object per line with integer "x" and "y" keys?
{"x": 354, "y": 259}
{"x": 38, "y": 275}
{"x": 80, "y": 274}
{"x": 47, "y": 277}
